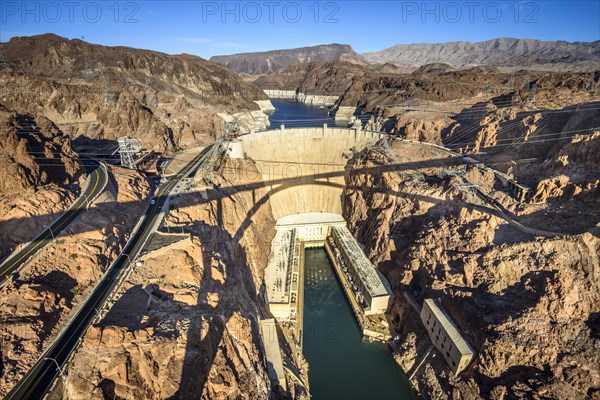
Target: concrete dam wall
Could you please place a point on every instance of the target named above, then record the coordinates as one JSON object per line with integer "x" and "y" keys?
{"x": 304, "y": 167}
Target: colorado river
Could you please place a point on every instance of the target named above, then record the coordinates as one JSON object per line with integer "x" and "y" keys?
{"x": 341, "y": 365}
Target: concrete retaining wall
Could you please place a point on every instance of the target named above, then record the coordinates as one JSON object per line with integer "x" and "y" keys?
{"x": 344, "y": 113}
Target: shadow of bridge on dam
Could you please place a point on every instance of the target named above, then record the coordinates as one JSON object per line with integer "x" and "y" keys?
{"x": 320, "y": 178}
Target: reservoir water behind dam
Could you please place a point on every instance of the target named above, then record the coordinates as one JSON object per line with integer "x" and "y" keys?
{"x": 294, "y": 114}
{"x": 341, "y": 365}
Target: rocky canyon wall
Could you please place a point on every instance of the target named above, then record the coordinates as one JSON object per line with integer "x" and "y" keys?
{"x": 185, "y": 324}
{"x": 527, "y": 304}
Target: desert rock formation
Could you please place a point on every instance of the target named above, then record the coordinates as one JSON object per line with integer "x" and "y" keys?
{"x": 506, "y": 52}
{"x": 528, "y": 305}
{"x": 39, "y": 173}
{"x": 186, "y": 323}
{"x": 100, "y": 92}
{"x": 270, "y": 61}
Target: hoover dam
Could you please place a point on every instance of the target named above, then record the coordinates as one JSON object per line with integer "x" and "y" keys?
{"x": 337, "y": 221}
{"x": 304, "y": 170}
{"x": 305, "y": 173}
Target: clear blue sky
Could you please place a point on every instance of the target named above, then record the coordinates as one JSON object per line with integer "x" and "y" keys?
{"x": 207, "y": 28}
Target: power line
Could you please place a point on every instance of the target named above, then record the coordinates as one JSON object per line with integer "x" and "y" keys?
{"x": 540, "y": 136}
{"x": 471, "y": 128}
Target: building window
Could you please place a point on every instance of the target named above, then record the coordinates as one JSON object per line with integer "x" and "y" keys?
{"x": 453, "y": 364}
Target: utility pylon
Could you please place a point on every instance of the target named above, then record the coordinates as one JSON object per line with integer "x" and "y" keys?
{"x": 5, "y": 64}
{"x": 233, "y": 127}
{"x": 128, "y": 149}
{"x": 531, "y": 97}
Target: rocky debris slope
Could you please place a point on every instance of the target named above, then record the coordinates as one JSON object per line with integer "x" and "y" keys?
{"x": 40, "y": 156}
{"x": 107, "y": 92}
{"x": 324, "y": 78}
{"x": 39, "y": 174}
{"x": 185, "y": 324}
{"x": 537, "y": 107}
{"x": 36, "y": 304}
{"x": 270, "y": 61}
{"x": 528, "y": 305}
{"x": 571, "y": 171}
{"x": 506, "y": 52}
{"x": 421, "y": 126}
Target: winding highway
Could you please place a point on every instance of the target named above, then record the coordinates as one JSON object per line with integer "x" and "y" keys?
{"x": 98, "y": 180}
{"x": 49, "y": 366}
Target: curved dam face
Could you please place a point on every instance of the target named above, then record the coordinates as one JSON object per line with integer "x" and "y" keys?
{"x": 304, "y": 167}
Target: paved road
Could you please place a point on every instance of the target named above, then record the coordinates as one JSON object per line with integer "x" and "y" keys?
{"x": 98, "y": 181}
{"x": 39, "y": 379}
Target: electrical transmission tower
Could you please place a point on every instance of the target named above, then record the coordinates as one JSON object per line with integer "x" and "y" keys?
{"x": 531, "y": 98}
{"x": 151, "y": 93}
{"x": 591, "y": 85}
{"x": 259, "y": 124}
{"x": 510, "y": 85}
{"x": 129, "y": 148}
{"x": 233, "y": 127}
{"x": 87, "y": 72}
{"x": 526, "y": 79}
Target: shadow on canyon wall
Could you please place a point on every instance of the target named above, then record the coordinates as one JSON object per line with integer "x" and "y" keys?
{"x": 201, "y": 352}
{"x": 315, "y": 179}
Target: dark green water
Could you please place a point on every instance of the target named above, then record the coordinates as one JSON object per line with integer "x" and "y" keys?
{"x": 342, "y": 366}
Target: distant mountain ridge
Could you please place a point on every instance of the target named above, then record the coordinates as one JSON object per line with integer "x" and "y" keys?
{"x": 270, "y": 61}
{"x": 502, "y": 52}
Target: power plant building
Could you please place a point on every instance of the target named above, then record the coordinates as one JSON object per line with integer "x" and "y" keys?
{"x": 371, "y": 288}
{"x": 446, "y": 337}
{"x": 282, "y": 275}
